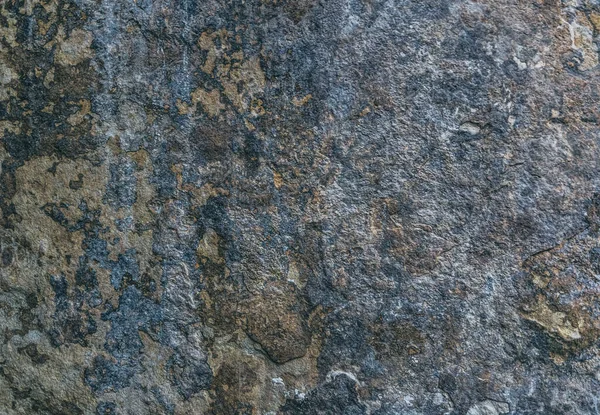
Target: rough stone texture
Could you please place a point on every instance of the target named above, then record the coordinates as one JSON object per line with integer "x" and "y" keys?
{"x": 299, "y": 207}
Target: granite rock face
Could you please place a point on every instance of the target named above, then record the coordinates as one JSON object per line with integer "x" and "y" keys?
{"x": 299, "y": 207}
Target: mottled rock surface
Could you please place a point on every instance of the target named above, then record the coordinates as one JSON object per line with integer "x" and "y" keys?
{"x": 299, "y": 207}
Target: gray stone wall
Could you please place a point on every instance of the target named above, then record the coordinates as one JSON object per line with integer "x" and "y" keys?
{"x": 299, "y": 207}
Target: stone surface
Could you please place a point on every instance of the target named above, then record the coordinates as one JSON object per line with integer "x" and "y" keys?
{"x": 299, "y": 207}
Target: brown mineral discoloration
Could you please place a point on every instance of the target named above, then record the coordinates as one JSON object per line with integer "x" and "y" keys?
{"x": 201, "y": 195}
{"x": 275, "y": 319}
{"x": 420, "y": 245}
{"x": 240, "y": 381}
{"x": 397, "y": 339}
{"x": 258, "y": 376}
{"x": 235, "y": 361}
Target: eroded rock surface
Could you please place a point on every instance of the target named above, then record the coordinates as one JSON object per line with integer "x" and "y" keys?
{"x": 299, "y": 207}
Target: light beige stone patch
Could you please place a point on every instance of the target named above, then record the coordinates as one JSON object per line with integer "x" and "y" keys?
{"x": 208, "y": 248}
{"x": 85, "y": 108}
{"x": 489, "y": 407}
{"x": 58, "y": 380}
{"x": 36, "y": 187}
{"x": 277, "y": 180}
{"x": 75, "y": 49}
{"x": 210, "y": 101}
{"x": 209, "y": 64}
{"x": 553, "y": 321}
{"x": 8, "y": 31}
{"x": 7, "y": 76}
{"x": 10, "y": 127}
{"x": 249, "y": 75}
{"x": 49, "y": 78}
{"x": 582, "y": 38}
{"x": 300, "y": 102}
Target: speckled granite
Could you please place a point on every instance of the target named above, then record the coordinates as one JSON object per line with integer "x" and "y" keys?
{"x": 299, "y": 207}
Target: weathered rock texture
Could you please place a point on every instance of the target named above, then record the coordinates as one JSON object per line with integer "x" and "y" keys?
{"x": 299, "y": 207}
